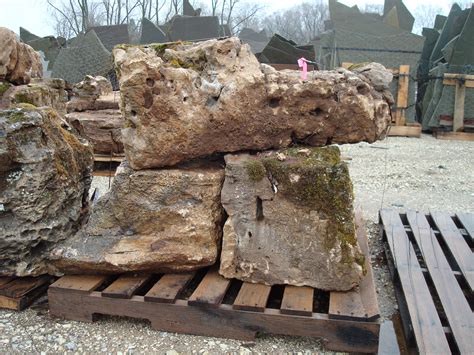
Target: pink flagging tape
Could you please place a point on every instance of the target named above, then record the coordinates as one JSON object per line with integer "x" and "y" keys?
{"x": 303, "y": 64}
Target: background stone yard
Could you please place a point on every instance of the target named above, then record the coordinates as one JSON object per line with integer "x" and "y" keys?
{"x": 405, "y": 173}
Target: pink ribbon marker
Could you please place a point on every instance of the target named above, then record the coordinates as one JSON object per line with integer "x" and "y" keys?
{"x": 303, "y": 64}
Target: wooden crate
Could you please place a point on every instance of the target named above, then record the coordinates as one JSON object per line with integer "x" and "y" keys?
{"x": 18, "y": 293}
{"x": 205, "y": 303}
{"x": 432, "y": 264}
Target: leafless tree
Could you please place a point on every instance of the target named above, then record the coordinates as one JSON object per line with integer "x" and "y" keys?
{"x": 373, "y": 9}
{"x": 300, "y": 23}
{"x": 79, "y": 15}
{"x": 425, "y": 16}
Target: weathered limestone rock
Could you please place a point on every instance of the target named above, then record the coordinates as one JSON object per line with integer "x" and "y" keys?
{"x": 151, "y": 220}
{"x": 90, "y": 94}
{"x": 290, "y": 220}
{"x": 19, "y": 63}
{"x": 183, "y": 101}
{"x": 40, "y": 92}
{"x": 45, "y": 174}
{"x": 100, "y": 128}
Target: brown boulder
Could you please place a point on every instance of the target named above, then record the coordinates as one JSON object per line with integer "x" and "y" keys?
{"x": 45, "y": 174}
{"x": 183, "y": 101}
{"x": 100, "y": 128}
{"x": 290, "y": 220}
{"x": 19, "y": 63}
{"x": 151, "y": 220}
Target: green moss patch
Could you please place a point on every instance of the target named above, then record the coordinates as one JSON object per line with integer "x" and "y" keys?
{"x": 315, "y": 178}
{"x": 4, "y": 87}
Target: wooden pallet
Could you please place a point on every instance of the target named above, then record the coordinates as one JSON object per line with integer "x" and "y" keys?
{"x": 432, "y": 263}
{"x": 455, "y": 136}
{"x": 108, "y": 158}
{"x": 405, "y": 131}
{"x": 204, "y": 303}
{"x": 18, "y": 293}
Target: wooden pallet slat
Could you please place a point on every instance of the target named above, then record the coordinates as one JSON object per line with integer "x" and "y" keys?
{"x": 125, "y": 286}
{"x": 297, "y": 300}
{"x": 455, "y": 305}
{"x": 427, "y": 327}
{"x": 22, "y": 285}
{"x": 467, "y": 221}
{"x": 252, "y": 297}
{"x": 79, "y": 283}
{"x": 168, "y": 287}
{"x": 211, "y": 290}
{"x": 456, "y": 244}
{"x": 6, "y": 279}
{"x": 388, "y": 344}
{"x": 360, "y": 303}
{"x": 20, "y": 292}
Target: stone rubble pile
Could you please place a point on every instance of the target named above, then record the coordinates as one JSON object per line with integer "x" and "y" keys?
{"x": 283, "y": 216}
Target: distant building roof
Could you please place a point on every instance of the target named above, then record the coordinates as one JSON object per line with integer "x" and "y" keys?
{"x": 112, "y": 35}
{"x": 186, "y": 28}
{"x": 86, "y": 56}
{"x": 151, "y": 33}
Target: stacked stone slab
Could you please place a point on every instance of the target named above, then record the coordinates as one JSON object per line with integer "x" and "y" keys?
{"x": 290, "y": 216}
{"x": 448, "y": 49}
{"x": 45, "y": 170}
{"x": 94, "y": 112}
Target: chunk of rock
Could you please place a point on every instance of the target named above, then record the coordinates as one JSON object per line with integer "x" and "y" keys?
{"x": 19, "y": 63}
{"x": 176, "y": 96}
{"x": 93, "y": 93}
{"x": 40, "y": 92}
{"x": 100, "y": 128}
{"x": 290, "y": 222}
{"x": 151, "y": 220}
{"x": 45, "y": 174}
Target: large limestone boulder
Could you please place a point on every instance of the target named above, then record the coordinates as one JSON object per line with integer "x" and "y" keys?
{"x": 19, "y": 63}
{"x": 45, "y": 174}
{"x": 290, "y": 220}
{"x": 151, "y": 220}
{"x": 183, "y": 101}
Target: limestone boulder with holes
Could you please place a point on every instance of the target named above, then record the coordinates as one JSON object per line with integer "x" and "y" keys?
{"x": 182, "y": 101}
{"x": 19, "y": 63}
{"x": 291, "y": 220}
{"x": 45, "y": 174}
{"x": 155, "y": 220}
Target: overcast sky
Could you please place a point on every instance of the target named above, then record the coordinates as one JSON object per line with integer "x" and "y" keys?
{"x": 34, "y": 16}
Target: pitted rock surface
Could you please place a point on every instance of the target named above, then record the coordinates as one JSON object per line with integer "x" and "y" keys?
{"x": 183, "y": 101}
{"x": 162, "y": 220}
{"x": 45, "y": 174}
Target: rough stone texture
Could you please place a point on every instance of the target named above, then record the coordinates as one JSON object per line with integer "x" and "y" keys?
{"x": 151, "y": 220}
{"x": 40, "y": 92}
{"x": 19, "y": 63}
{"x": 379, "y": 77}
{"x": 88, "y": 91}
{"x": 100, "y": 128}
{"x": 290, "y": 220}
{"x": 177, "y": 96}
{"x": 45, "y": 174}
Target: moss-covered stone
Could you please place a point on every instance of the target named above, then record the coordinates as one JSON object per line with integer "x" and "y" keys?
{"x": 3, "y": 88}
{"x": 256, "y": 170}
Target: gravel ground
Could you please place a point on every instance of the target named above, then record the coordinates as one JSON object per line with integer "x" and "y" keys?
{"x": 405, "y": 173}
